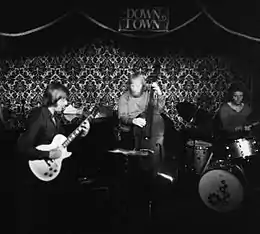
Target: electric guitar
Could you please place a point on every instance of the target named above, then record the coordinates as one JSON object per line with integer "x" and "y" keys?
{"x": 49, "y": 169}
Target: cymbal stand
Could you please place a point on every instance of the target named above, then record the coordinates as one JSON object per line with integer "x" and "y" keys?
{"x": 150, "y": 209}
{"x": 126, "y": 164}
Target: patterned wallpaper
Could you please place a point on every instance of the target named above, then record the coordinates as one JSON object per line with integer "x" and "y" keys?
{"x": 98, "y": 74}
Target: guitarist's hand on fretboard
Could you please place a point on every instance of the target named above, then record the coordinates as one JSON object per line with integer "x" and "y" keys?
{"x": 85, "y": 126}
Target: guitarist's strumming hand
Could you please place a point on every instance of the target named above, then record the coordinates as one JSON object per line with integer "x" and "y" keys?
{"x": 85, "y": 126}
{"x": 55, "y": 153}
{"x": 141, "y": 122}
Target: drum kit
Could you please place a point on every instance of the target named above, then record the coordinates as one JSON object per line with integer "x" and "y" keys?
{"x": 225, "y": 177}
{"x": 223, "y": 180}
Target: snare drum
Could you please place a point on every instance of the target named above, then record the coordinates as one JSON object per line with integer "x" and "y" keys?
{"x": 222, "y": 185}
{"x": 242, "y": 148}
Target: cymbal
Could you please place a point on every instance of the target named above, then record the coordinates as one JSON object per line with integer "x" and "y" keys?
{"x": 142, "y": 152}
{"x": 200, "y": 143}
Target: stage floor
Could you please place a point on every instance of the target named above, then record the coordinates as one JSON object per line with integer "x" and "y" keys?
{"x": 179, "y": 209}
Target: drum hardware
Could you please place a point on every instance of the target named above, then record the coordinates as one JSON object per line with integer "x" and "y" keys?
{"x": 168, "y": 171}
{"x": 207, "y": 163}
{"x": 150, "y": 208}
{"x": 117, "y": 133}
{"x": 85, "y": 180}
{"x": 250, "y": 166}
{"x": 242, "y": 148}
{"x": 162, "y": 171}
{"x": 168, "y": 177}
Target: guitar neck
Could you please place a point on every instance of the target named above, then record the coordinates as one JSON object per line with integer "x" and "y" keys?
{"x": 78, "y": 130}
{"x": 72, "y": 136}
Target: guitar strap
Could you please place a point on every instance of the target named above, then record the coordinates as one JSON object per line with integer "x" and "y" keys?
{"x": 54, "y": 121}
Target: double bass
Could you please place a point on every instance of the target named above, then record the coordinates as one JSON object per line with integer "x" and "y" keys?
{"x": 151, "y": 136}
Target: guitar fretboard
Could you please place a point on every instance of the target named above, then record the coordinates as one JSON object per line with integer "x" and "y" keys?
{"x": 76, "y": 132}
{"x": 72, "y": 136}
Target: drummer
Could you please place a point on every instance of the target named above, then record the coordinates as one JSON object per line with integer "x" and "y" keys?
{"x": 235, "y": 111}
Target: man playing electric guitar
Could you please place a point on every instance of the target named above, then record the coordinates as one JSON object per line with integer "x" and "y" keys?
{"x": 41, "y": 129}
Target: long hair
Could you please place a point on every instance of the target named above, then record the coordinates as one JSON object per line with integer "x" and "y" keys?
{"x": 238, "y": 86}
{"x": 49, "y": 97}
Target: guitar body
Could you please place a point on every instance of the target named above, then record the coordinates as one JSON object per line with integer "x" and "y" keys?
{"x": 48, "y": 170}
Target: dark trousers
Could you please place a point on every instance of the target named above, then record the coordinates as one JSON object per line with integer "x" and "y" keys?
{"x": 134, "y": 190}
{"x": 45, "y": 207}
{"x": 131, "y": 194}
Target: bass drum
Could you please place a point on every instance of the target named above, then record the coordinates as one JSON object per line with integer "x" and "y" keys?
{"x": 222, "y": 186}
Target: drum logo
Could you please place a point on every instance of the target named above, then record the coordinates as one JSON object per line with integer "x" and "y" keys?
{"x": 221, "y": 196}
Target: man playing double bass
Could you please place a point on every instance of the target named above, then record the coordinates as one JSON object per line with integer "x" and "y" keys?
{"x": 134, "y": 103}
{"x": 139, "y": 110}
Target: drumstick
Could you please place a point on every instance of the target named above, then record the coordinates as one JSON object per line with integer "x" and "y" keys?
{"x": 211, "y": 155}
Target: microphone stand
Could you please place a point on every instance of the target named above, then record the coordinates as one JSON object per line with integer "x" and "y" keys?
{"x": 150, "y": 202}
{"x": 192, "y": 121}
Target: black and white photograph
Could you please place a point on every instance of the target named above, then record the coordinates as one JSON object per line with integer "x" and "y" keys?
{"x": 130, "y": 117}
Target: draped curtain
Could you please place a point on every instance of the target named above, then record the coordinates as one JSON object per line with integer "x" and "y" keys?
{"x": 239, "y": 18}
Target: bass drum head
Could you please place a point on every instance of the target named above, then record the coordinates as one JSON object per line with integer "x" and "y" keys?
{"x": 221, "y": 191}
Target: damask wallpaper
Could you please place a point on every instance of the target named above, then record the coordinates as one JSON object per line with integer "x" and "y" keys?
{"x": 97, "y": 75}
